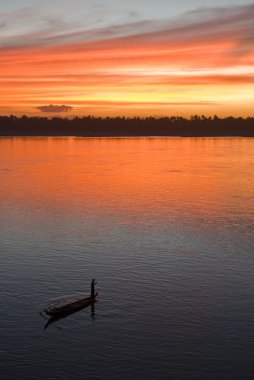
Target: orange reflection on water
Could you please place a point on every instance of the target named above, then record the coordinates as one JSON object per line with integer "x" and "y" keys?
{"x": 177, "y": 177}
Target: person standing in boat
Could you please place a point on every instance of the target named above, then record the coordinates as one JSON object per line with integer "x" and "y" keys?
{"x": 93, "y": 283}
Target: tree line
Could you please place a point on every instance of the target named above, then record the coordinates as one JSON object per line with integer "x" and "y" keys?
{"x": 91, "y": 126}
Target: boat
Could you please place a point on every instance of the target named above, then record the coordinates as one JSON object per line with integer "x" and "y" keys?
{"x": 69, "y": 306}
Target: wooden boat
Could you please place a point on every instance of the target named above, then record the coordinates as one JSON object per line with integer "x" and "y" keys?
{"x": 66, "y": 307}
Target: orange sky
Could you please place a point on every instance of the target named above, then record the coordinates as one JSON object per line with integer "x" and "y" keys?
{"x": 166, "y": 67}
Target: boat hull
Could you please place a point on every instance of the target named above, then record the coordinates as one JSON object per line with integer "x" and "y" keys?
{"x": 70, "y": 308}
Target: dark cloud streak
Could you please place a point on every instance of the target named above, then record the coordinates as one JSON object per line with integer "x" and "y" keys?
{"x": 54, "y": 108}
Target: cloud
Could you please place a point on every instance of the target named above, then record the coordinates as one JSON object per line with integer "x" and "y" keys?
{"x": 41, "y": 25}
{"x": 54, "y": 108}
{"x": 223, "y": 23}
{"x": 205, "y": 38}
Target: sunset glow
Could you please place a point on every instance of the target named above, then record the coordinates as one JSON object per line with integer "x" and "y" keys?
{"x": 198, "y": 62}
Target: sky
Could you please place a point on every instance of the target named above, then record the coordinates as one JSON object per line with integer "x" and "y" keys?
{"x": 127, "y": 58}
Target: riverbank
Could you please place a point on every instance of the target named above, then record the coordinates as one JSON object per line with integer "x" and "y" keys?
{"x": 127, "y": 127}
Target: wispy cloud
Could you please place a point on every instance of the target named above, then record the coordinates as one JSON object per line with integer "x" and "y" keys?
{"x": 69, "y": 22}
{"x": 203, "y": 25}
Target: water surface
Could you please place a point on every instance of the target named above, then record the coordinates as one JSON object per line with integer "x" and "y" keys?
{"x": 166, "y": 227}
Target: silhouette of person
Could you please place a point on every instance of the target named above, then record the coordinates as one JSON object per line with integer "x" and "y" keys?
{"x": 93, "y": 283}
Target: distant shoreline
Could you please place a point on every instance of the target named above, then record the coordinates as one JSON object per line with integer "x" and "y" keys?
{"x": 122, "y": 137}
{"x": 121, "y": 127}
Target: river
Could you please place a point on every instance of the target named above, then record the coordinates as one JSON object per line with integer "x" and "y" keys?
{"x": 165, "y": 225}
